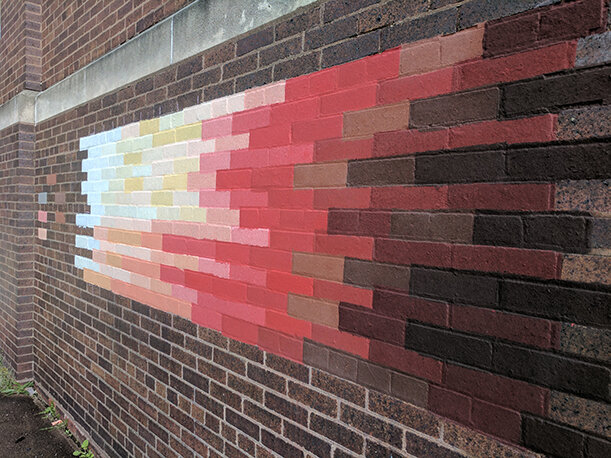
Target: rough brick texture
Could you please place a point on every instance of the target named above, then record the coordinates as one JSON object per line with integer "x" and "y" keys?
{"x": 346, "y": 242}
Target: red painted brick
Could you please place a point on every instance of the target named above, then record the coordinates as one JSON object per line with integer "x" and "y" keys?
{"x": 293, "y": 154}
{"x": 535, "y": 263}
{"x": 324, "y": 81}
{"x": 342, "y": 198}
{"x": 526, "y": 130}
{"x": 251, "y": 119}
{"x": 499, "y": 390}
{"x": 515, "y": 67}
{"x": 172, "y": 275}
{"x": 291, "y": 198}
{"x": 271, "y": 259}
{"x": 524, "y": 197}
{"x": 450, "y": 404}
{"x": 289, "y": 283}
{"x": 410, "y": 197}
{"x": 518, "y": 328}
{"x": 249, "y": 158}
{"x": 215, "y": 128}
{"x": 266, "y": 298}
{"x": 416, "y": 86}
{"x": 373, "y": 68}
{"x": 247, "y": 198}
{"x": 308, "y": 220}
{"x": 360, "y": 321}
{"x": 292, "y": 240}
{"x": 271, "y": 177}
{"x": 207, "y": 318}
{"x": 241, "y": 330}
{"x": 295, "y": 111}
{"x": 297, "y": 88}
{"x": 338, "y": 291}
{"x": 174, "y": 244}
{"x": 232, "y": 252}
{"x": 406, "y": 361}
{"x": 408, "y": 141}
{"x": 497, "y": 420}
{"x": 337, "y": 149}
{"x": 341, "y": 340}
{"x": 281, "y": 344}
{"x": 202, "y": 248}
{"x": 511, "y": 34}
{"x": 288, "y": 325}
{"x": 319, "y": 129}
{"x": 343, "y": 245}
{"x": 356, "y": 98}
{"x": 275, "y": 135}
{"x": 407, "y": 252}
{"x": 233, "y": 179}
{"x": 227, "y": 289}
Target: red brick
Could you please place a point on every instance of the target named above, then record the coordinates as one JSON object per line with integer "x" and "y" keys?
{"x": 523, "y": 197}
{"x": 527, "y": 330}
{"x": 297, "y": 88}
{"x": 232, "y": 252}
{"x": 410, "y": 197}
{"x": 239, "y": 329}
{"x": 295, "y": 111}
{"x": 337, "y": 149}
{"x": 266, "y": 298}
{"x": 217, "y": 127}
{"x": 233, "y": 179}
{"x": 515, "y": 67}
{"x": 525, "y": 130}
{"x": 319, "y": 129}
{"x": 251, "y": 119}
{"x": 510, "y": 34}
{"x": 573, "y": 20}
{"x": 341, "y": 340}
{"x": 535, "y": 263}
{"x": 280, "y": 344}
{"x": 406, "y": 252}
{"x": 360, "y": 321}
{"x": 291, "y": 198}
{"x": 373, "y": 68}
{"x": 342, "y": 198}
{"x": 499, "y": 390}
{"x": 275, "y": 135}
{"x": 289, "y": 283}
{"x": 288, "y": 325}
{"x": 271, "y": 259}
{"x": 408, "y": 142}
{"x": 497, "y": 420}
{"x": 306, "y": 220}
{"x": 292, "y": 154}
{"x": 324, "y": 81}
{"x": 247, "y": 198}
{"x": 291, "y": 240}
{"x": 416, "y": 86}
{"x": 339, "y": 291}
{"x": 450, "y": 404}
{"x": 406, "y": 361}
{"x": 343, "y": 245}
{"x": 356, "y": 98}
{"x": 271, "y": 177}
{"x": 172, "y": 275}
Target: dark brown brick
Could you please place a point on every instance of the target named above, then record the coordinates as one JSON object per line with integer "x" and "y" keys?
{"x": 419, "y": 446}
{"x": 247, "y": 351}
{"x": 555, "y": 92}
{"x": 219, "y": 90}
{"x": 307, "y": 440}
{"x": 286, "y": 409}
{"x": 279, "y": 446}
{"x": 449, "y": 110}
{"x": 295, "y": 370}
{"x": 575, "y": 20}
{"x": 195, "y": 379}
{"x": 260, "y": 415}
{"x": 225, "y": 396}
{"x": 404, "y": 413}
{"x": 556, "y": 232}
{"x": 301, "y": 65}
{"x": 280, "y": 51}
{"x": 331, "y": 33}
{"x": 458, "y": 168}
{"x": 410, "y": 389}
{"x": 547, "y": 437}
{"x": 338, "y": 8}
{"x": 510, "y": 34}
{"x": 244, "y": 425}
{"x": 372, "y": 426}
{"x": 504, "y": 230}
{"x": 315, "y": 355}
{"x": 266, "y": 378}
{"x": 437, "y": 23}
{"x": 381, "y": 172}
{"x": 298, "y": 23}
{"x": 220, "y": 54}
{"x": 365, "y": 273}
{"x": 341, "y": 388}
{"x": 478, "y": 11}
{"x": 244, "y": 387}
{"x": 207, "y": 77}
{"x": 360, "y": 321}
{"x": 314, "y": 399}
{"x": 337, "y": 433}
{"x": 373, "y": 376}
{"x": 390, "y": 13}
{"x": 229, "y": 361}
{"x": 189, "y": 67}
{"x": 254, "y": 41}
{"x": 240, "y": 66}
{"x": 343, "y": 365}
{"x": 352, "y": 49}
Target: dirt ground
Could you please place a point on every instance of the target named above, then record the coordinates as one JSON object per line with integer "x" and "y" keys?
{"x": 22, "y": 434}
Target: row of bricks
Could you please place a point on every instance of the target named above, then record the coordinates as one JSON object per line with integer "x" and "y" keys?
{"x": 554, "y": 231}
{"x": 566, "y": 302}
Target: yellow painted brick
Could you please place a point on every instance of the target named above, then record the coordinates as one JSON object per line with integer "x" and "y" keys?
{"x": 162, "y": 198}
{"x": 190, "y": 132}
{"x": 186, "y": 165}
{"x": 150, "y": 126}
{"x": 175, "y": 182}
{"x": 132, "y": 158}
{"x": 133, "y": 184}
{"x": 164, "y": 138}
{"x": 194, "y": 214}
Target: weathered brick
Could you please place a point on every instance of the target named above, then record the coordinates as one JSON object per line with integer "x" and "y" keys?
{"x": 586, "y": 122}
{"x": 594, "y": 50}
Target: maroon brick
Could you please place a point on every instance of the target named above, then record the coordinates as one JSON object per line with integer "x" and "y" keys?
{"x": 450, "y": 404}
{"x": 402, "y": 306}
{"x": 574, "y": 20}
{"x": 381, "y": 172}
{"x": 499, "y": 421}
{"x": 360, "y": 321}
{"x": 455, "y": 109}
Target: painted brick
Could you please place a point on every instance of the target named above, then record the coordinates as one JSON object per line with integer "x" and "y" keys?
{"x": 410, "y": 197}
{"x": 320, "y": 175}
{"x": 406, "y": 361}
{"x": 458, "y": 168}
{"x": 420, "y": 57}
{"x": 338, "y": 149}
{"x": 450, "y": 404}
{"x": 409, "y": 141}
{"x": 548, "y": 437}
{"x": 496, "y": 420}
{"x": 381, "y": 172}
{"x": 323, "y": 128}
{"x": 455, "y": 109}
{"x": 318, "y": 266}
{"x": 416, "y": 86}
{"x": 401, "y": 306}
{"x": 353, "y": 99}
{"x": 378, "y": 119}
{"x": 313, "y": 310}
{"x": 359, "y": 320}
{"x": 357, "y": 247}
{"x": 462, "y": 46}
{"x": 407, "y": 253}
{"x": 533, "y": 197}
{"x": 572, "y": 21}
{"x": 364, "y": 273}
{"x": 343, "y": 341}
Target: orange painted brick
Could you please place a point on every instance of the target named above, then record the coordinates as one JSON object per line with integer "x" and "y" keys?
{"x": 462, "y": 46}
{"x": 115, "y": 260}
{"x": 287, "y": 324}
{"x": 320, "y": 175}
{"x": 318, "y": 266}
{"x": 343, "y": 245}
{"x": 378, "y": 119}
{"x": 420, "y": 57}
{"x": 340, "y": 292}
{"x": 314, "y": 310}
{"x": 344, "y": 341}
{"x": 153, "y": 241}
{"x": 97, "y": 279}
{"x": 125, "y": 237}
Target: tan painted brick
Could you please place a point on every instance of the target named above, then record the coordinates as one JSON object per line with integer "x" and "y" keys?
{"x": 190, "y": 132}
{"x": 379, "y": 119}
{"x": 319, "y": 266}
{"x": 164, "y": 138}
{"x": 150, "y": 126}
{"x": 96, "y": 279}
{"x": 420, "y": 57}
{"x": 320, "y": 175}
{"x": 315, "y": 310}
{"x": 461, "y": 46}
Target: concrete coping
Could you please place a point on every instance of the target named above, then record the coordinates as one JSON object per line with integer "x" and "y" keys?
{"x": 190, "y": 31}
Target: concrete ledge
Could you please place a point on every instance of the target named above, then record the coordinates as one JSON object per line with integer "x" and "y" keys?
{"x": 20, "y": 108}
{"x": 190, "y": 31}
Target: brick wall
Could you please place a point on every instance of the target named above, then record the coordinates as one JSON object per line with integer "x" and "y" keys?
{"x": 455, "y": 300}
{"x": 76, "y": 33}
{"x": 17, "y": 207}
{"x": 19, "y": 48}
